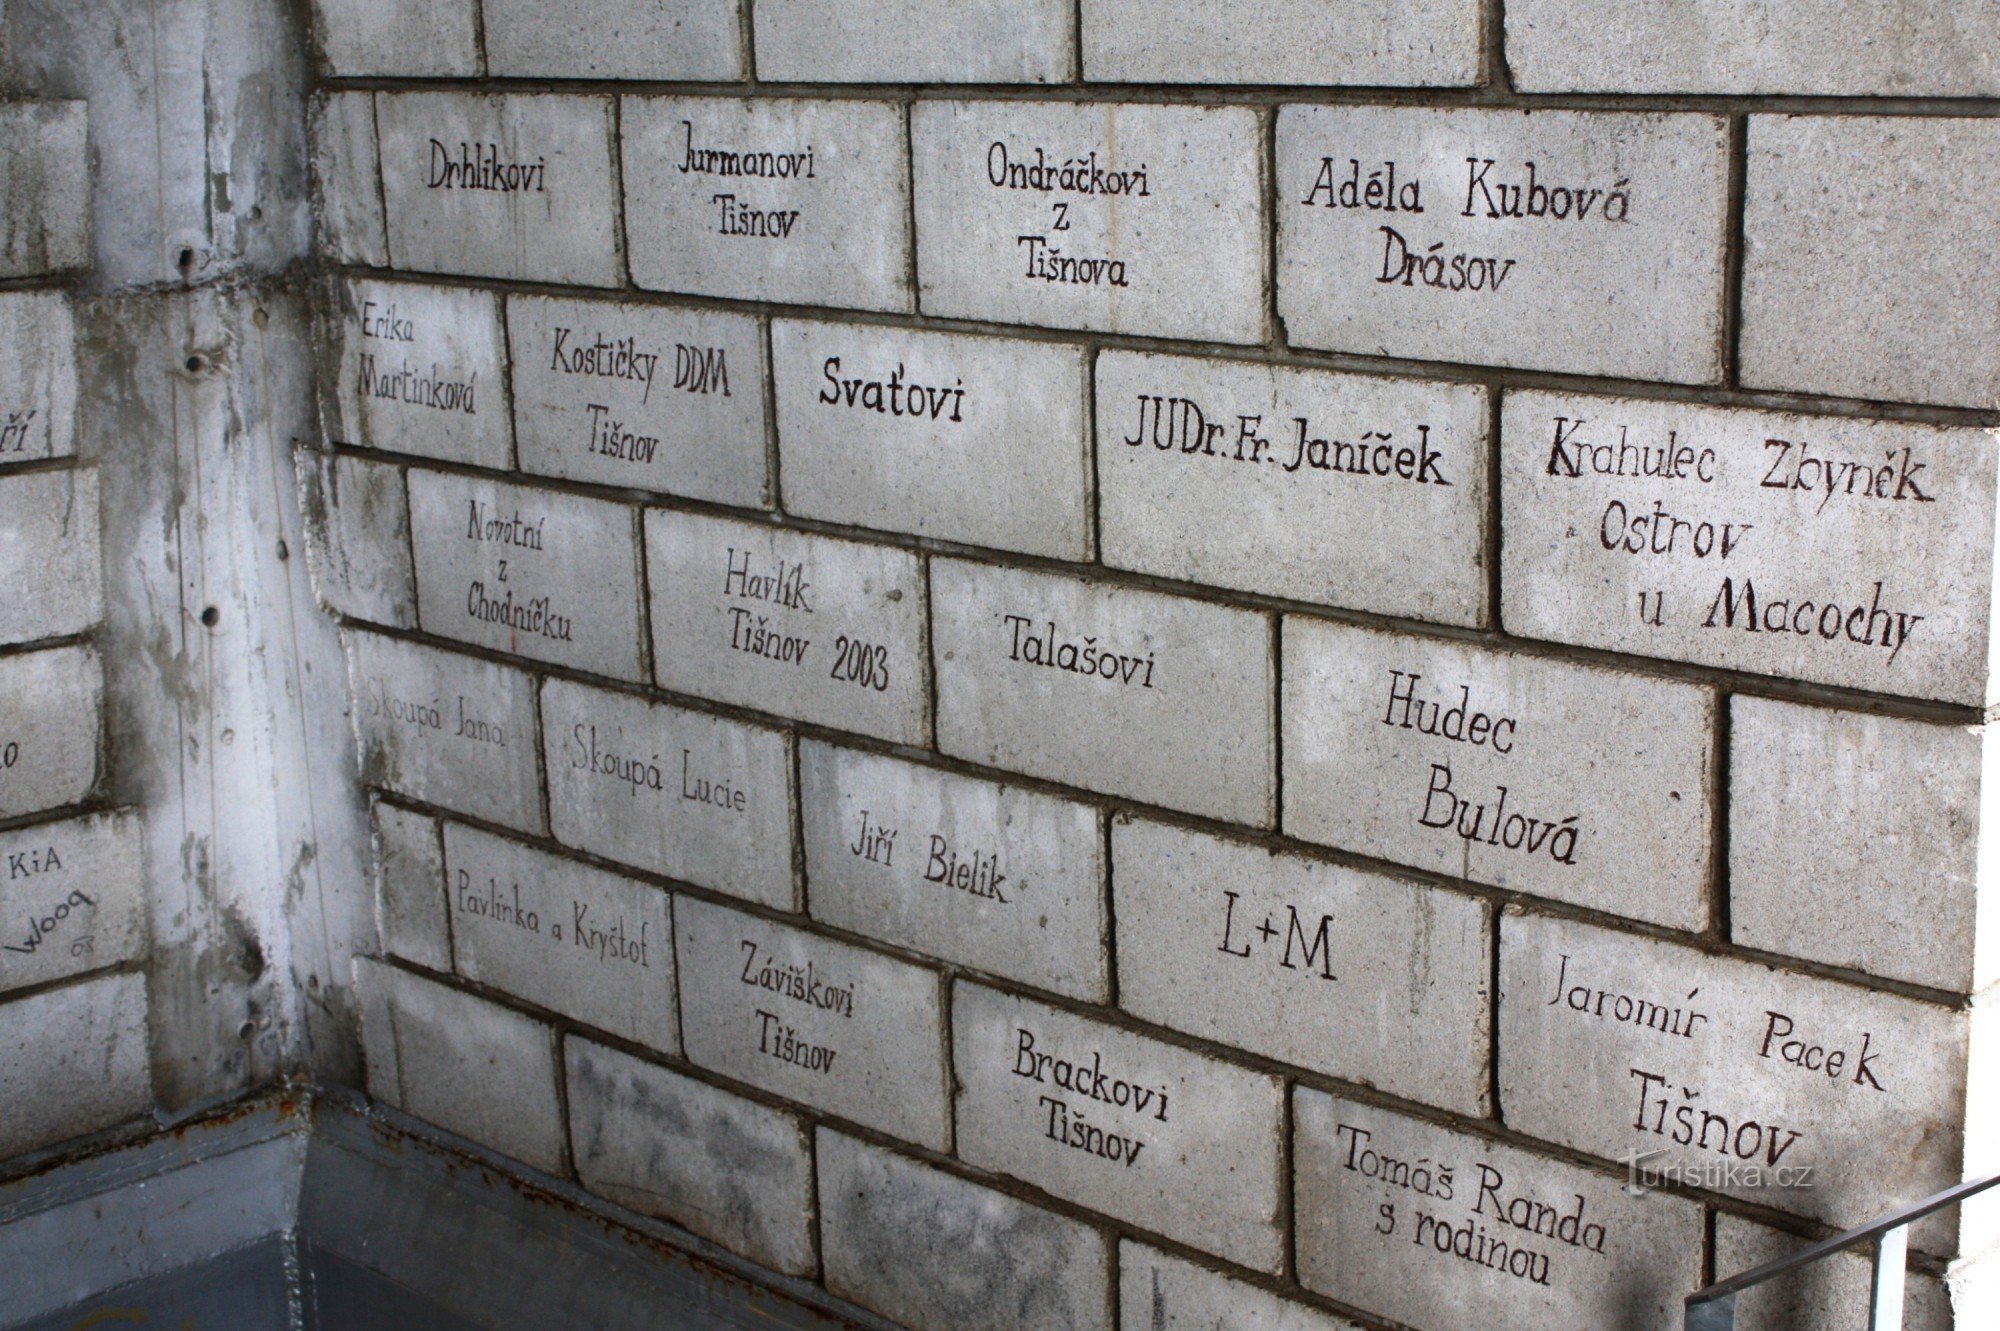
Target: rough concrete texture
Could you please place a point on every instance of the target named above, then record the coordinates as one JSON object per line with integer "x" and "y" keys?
{"x": 1129, "y": 692}
{"x": 1370, "y": 979}
{"x": 1603, "y": 257}
{"x": 409, "y": 39}
{"x": 411, "y": 906}
{"x": 820, "y": 1022}
{"x": 37, "y": 376}
{"x": 1125, "y": 1124}
{"x": 1139, "y": 219}
{"x": 73, "y": 1061}
{"x": 989, "y": 876}
{"x": 50, "y": 560}
{"x": 419, "y": 370}
{"x": 74, "y": 900}
{"x": 972, "y": 439}
{"x": 915, "y": 41}
{"x": 676, "y": 41}
{"x": 347, "y": 179}
{"x": 358, "y": 536}
{"x": 1918, "y": 318}
{"x": 50, "y": 729}
{"x": 1830, "y": 1293}
{"x": 1440, "y": 1228}
{"x": 782, "y": 200}
{"x": 1163, "y": 1293}
{"x": 1344, "y": 490}
{"x": 1850, "y": 552}
{"x": 696, "y": 797}
{"x": 1376, "y": 43}
{"x": 45, "y": 221}
{"x": 730, "y": 1169}
{"x": 939, "y": 1253}
{"x": 1587, "y": 785}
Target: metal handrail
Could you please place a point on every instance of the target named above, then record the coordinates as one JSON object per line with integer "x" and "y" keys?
{"x": 1714, "y": 1308}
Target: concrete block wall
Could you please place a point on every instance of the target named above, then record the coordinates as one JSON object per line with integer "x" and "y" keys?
{"x": 1289, "y": 665}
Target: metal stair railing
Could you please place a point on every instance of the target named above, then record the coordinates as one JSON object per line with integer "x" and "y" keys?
{"x": 1714, "y": 1308}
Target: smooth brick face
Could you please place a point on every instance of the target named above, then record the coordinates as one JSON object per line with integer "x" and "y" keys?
{"x": 74, "y": 901}
{"x": 985, "y": 875}
{"x": 1443, "y": 1229}
{"x": 1363, "y": 977}
{"x": 1128, "y": 1125}
{"x": 1914, "y": 315}
{"x": 472, "y": 1067}
{"x": 821, "y": 1022}
{"x": 563, "y": 936}
{"x": 938, "y": 1253}
{"x": 1376, "y": 43}
{"x": 798, "y": 201}
{"x": 73, "y": 1060}
{"x": 1167, "y": 1294}
{"x": 37, "y": 376}
{"x": 640, "y": 396}
{"x": 914, "y": 41}
{"x": 44, "y": 188}
{"x": 49, "y": 704}
{"x": 358, "y": 536}
{"x": 347, "y": 178}
{"x": 1854, "y": 553}
{"x": 446, "y": 729}
{"x": 1928, "y": 48}
{"x": 410, "y": 898}
{"x": 1633, "y": 287}
{"x": 1161, "y": 233}
{"x": 421, "y": 371}
{"x": 1180, "y": 717}
{"x": 1350, "y": 491}
{"x": 49, "y": 558}
{"x": 1833, "y": 1292}
{"x": 805, "y": 626}
{"x": 731, "y": 1170}
{"x": 534, "y": 573}
{"x": 514, "y": 186}
{"x": 1400, "y": 747}
{"x": 412, "y": 38}
{"x": 678, "y": 40}
{"x": 971, "y": 439}
{"x": 1878, "y": 870}
{"x": 700, "y": 798}
{"x": 1604, "y": 1038}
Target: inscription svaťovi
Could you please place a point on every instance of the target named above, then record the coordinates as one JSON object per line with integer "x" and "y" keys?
{"x": 1131, "y": 219}
{"x": 1855, "y": 553}
{"x": 1564, "y": 240}
{"x": 420, "y": 372}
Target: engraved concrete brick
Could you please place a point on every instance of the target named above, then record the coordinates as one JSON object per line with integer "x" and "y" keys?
{"x": 1830, "y": 1293}
{"x": 805, "y": 202}
{"x": 1615, "y": 1044}
{"x": 347, "y": 178}
{"x": 732, "y": 1170}
{"x": 1902, "y": 211}
{"x": 1169, "y": 1294}
{"x": 446, "y": 729}
{"x": 915, "y": 41}
{"x": 1878, "y": 870}
{"x": 1849, "y": 552}
{"x": 37, "y": 376}
{"x": 540, "y": 574}
{"x": 822, "y": 1022}
{"x": 1585, "y": 241}
{"x": 1151, "y": 697}
{"x": 1116, "y": 218}
{"x": 973, "y": 439}
{"x": 50, "y": 563}
{"x": 938, "y": 1253}
{"x": 1125, "y": 1124}
{"x": 358, "y": 536}
{"x": 640, "y": 396}
{"x": 1587, "y": 785}
{"x": 679, "y": 40}
{"x": 49, "y": 705}
{"x": 472, "y": 1067}
{"x": 1439, "y": 1228}
{"x": 411, "y": 910}
{"x": 700, "y": 798}
{"x": 1363, "y": 977}
{"x": 44, "y": 188}
{"x": 562, "y": 935}
{"x": 805, "y": 626}
{"x": 421, "y": 371}
{"x": 72, "y": 1061}
{"x": 407, "y": 38}
{"x": 989, "y": 876}
{"x": 1376, "y": 43}
{"x": 1336, "y": 488}
{"x": 74, "y": 900}
{"x": 515, "y": 185}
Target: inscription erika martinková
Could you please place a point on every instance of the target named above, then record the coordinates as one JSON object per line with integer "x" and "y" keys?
{"x": 408, "y": 382}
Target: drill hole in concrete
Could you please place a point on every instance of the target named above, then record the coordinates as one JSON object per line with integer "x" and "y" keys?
{"x": 211, "y": 617}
